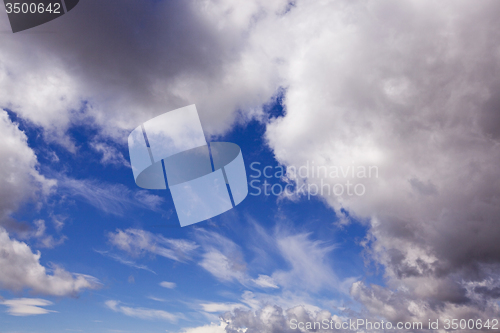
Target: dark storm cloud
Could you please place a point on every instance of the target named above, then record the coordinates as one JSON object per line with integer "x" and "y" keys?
{"x": 127, "y": 61}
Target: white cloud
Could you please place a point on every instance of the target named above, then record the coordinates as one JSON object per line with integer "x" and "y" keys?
{"x": 156, "y": 299}
{"x": 212, "y": 328}
{"x": 142, "y": 313}
{"x": 410, "y": 88}
{"x": 310, "y": 267}
{"x": 265, "y": 281}
{"x": 169, "y": 285}
{"x": 20, "y": 268}
{"x": 110, "y": 198}
{"x": 44, "y": 240}
{"x": 137, "y": 242}
{"x": 221, "y": 307}
{"x": 27, "y": 306}
{"x": 222, "y": 258}
{"x": 124, "y": 261}
{"x": 19, "y": 177}
{"x": 110, "y": 155}
{"x": 222, "y": 267}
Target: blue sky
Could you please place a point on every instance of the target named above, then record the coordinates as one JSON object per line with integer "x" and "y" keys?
{"x": 248, "y": 235}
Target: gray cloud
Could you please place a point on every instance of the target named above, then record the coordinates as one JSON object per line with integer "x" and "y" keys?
{"x": 411, "y": 88}
{"x": 119, "y": 63}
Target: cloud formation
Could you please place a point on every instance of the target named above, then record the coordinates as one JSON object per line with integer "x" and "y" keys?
{"x": 411, "y": 87}
{"x": 21, "y": 269}
{"x": 27, "y": 306}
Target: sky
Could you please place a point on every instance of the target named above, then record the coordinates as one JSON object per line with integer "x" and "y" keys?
{"x": 370, "y": 134}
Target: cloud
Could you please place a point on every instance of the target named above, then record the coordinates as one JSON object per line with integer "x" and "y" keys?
{"x": 110, "y": 198}
{"x": 201, "y": 60}
{"x": 310, "y": 267}
{"x": 222, "y": 257}
{"x": 20, "y": 268}
{"x": 272, "y": 318}
{"x": 138, "y": 242}
{"x": 27, "y": 306}
{"x": 221, "y": 307}
{"x": 212, "y": 328}
{"x": 20, "y": 180}
{"x": 142, "y": 313}
{"x": 169, "y": 285}
{"x": 222, "y": 267}
{"x": 124, "y": 261}
{"x": 412, "y": 89}
{"x": 110, "y": 155}
{"x": 156, "y": 299}
{"x": 265, "y": 281}
{"x": 46, "y": 241}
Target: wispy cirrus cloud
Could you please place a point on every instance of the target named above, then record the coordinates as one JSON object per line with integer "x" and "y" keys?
{"x": 142, "y": 313}
{"x": 137, "y": 242}
{"x": 110, "y": 198}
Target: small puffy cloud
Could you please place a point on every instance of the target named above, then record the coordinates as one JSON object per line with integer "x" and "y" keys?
{"x": 137, "y": 242}
{"x": 265, "y": 281}
{"x": 20, "y": 268}
{"x": 27, "y": 306}
{"x": 142, "y": 313}
{"x": 169, "y": 285}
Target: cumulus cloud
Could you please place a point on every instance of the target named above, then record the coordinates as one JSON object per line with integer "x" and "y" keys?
{"x": 27, "y": 306}
{"x": 142, "y": 313}
{"x": 21, "y": 269}
{"x": 410, "y": 88}
{"x": 201, "y": 59}
{"x": 19, "y": 178}
{"x": 272, "y": 318}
